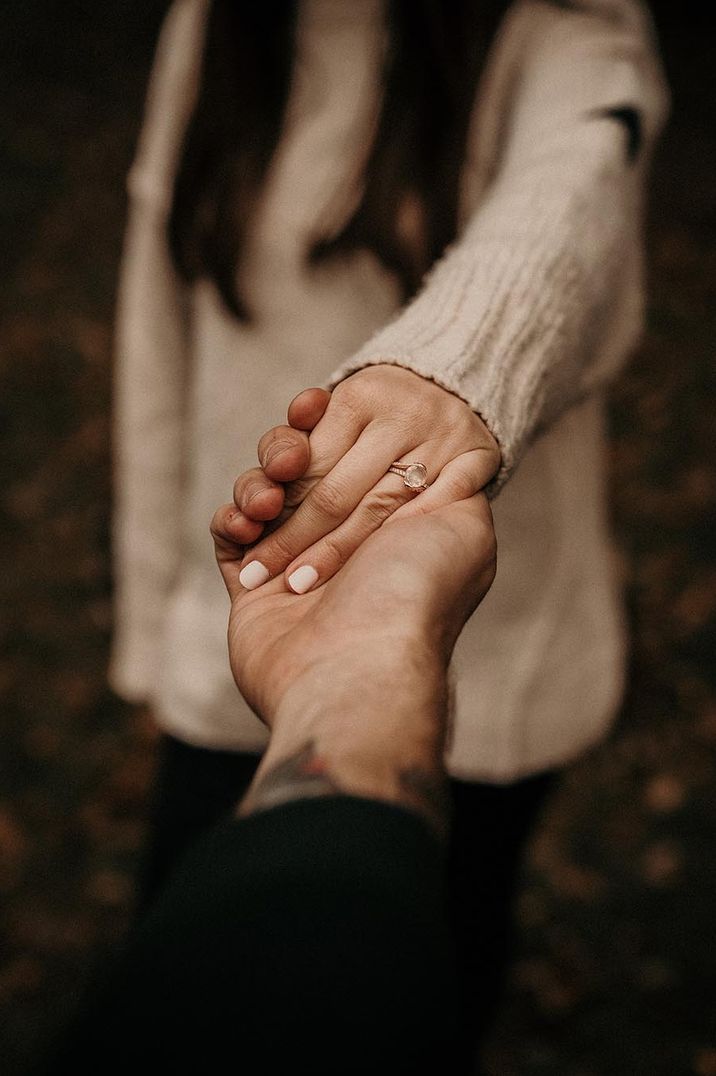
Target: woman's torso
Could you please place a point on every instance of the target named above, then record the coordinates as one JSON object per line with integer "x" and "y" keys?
{"x": 539, "y": 668}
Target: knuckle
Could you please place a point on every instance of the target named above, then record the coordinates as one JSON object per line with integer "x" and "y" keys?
{"x": 351, "y": 395}
{"x": 281, "y": 549}
{"x": 469, "y": 425}
{"x": 486, "y": 440}
{"x": 418, "y": 507}
{"x": 381, "y": 503}
{"x": 327, "y": 501}
{"x": 297, "y": 491}
{"x": 458, "y": 480}
{"x": 333, "y": 552}
{"x": 411, "y": 416}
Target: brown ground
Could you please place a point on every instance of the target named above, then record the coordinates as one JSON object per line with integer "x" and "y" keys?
{"x": 614, "y": 974}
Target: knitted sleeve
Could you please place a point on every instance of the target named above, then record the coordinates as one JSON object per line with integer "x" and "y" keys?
{"x": 150, "y": 369}
{"x": 539, "y": 300}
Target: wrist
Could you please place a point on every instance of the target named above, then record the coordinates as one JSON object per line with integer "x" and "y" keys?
{"x": 373, "y": 728}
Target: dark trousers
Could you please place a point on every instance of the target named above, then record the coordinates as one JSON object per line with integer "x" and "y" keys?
{"x": 491, "y": 825}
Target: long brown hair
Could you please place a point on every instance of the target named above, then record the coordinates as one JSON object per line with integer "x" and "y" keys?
{"x": 436, "y": 49}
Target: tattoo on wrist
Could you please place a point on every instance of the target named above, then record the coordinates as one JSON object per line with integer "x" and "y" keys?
{"x": 300, "y": 776}
{"x": 305, "y": 775}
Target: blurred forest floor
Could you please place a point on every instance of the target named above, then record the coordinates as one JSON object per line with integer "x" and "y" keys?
{"x": 614, "y": 973}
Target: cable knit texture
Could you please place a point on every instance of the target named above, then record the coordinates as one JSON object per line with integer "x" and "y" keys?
{"x": 527, "y": 317}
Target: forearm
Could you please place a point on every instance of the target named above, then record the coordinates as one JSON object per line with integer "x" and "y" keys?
{"x": 377, "y": 733}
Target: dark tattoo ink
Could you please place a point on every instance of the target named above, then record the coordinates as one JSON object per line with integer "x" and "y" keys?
{"x": 298, "y": 777}
{"x": 304, "y": 775}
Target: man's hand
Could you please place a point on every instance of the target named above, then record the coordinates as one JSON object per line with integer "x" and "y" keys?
{"x": 404, "y": 595}
{"x": 352, "y": 676}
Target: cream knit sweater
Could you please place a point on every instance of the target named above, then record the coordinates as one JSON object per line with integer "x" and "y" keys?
{"x": 527, "y": 317}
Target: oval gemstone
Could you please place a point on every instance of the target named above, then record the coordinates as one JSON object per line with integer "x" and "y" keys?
{"x": 416, "y": 475}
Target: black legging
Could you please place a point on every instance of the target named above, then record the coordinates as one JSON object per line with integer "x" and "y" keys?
{"x": 491, "y": 824}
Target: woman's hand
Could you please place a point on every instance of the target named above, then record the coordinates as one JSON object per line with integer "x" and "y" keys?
{"x": 378, "y": 416}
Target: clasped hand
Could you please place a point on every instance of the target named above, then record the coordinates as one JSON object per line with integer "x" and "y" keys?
{"x": 407, "y": 588}
{"x": 339, "y": 488}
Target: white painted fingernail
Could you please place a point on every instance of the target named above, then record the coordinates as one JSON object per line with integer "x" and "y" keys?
{"x": 253, "y": 575}
{"x": 302, "y": 579}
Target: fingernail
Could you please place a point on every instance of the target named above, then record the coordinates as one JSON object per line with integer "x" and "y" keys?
{"x": 302, "y": 579}
{"x": 253, "y": 575}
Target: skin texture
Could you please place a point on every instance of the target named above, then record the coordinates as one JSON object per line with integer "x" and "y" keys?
{"x": 376, "y": 417}
{"x": 354, "y": 672}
